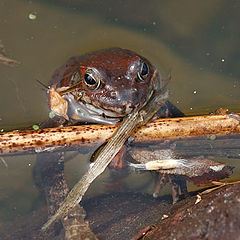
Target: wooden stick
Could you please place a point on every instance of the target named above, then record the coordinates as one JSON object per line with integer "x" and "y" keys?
{"x": 7, "y": 61}
{"x": 89, "y": 135}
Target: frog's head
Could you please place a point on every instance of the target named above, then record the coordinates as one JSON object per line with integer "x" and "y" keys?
{"x": 106, "y": 85}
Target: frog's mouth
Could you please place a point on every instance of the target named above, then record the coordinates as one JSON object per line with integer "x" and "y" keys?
{"x": 67, "y": 107}
{"x": 86, "y": 112}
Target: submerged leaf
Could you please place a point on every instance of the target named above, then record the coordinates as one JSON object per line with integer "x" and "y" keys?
{"x": 198, "y": 170}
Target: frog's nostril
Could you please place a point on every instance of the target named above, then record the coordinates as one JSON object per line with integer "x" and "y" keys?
{"x": 134, "y": 90}
{"x": 113, "y": 95}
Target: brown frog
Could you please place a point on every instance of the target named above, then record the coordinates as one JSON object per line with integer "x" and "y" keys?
{"x": 100, "y": 87}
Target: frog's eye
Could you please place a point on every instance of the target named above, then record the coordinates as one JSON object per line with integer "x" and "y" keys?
{"x": 143, "y": 71}
{"x": 92, "y": 79}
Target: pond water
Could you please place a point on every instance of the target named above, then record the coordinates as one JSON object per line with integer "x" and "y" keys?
{"x": 198, "y": 42}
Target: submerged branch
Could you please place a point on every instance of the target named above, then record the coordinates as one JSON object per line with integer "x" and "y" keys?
{"x": 5, "y": 60}
{"x": 52, "y": 139}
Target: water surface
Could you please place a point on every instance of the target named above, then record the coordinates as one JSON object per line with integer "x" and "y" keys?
{"x": 197, "y": 42}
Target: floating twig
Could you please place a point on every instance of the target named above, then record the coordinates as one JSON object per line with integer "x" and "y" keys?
{"x": 31, "y": 141}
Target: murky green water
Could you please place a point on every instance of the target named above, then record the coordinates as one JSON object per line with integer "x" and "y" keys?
{"x": 198, "y": 42}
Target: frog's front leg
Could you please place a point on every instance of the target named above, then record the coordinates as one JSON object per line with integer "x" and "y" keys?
{"x": 162, "y": 180}
{"x": 177, "y": 183}
{"x": 168, "y": 110}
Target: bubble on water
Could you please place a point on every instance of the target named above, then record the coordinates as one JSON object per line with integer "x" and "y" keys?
{"x": 212, "y": 137}
{"x": 35, "y": 127}
{"x": 32, "y": 15}
{"x": 51, "y": 114}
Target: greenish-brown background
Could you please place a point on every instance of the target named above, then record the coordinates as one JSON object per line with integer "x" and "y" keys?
{"x": 198, "y": 41}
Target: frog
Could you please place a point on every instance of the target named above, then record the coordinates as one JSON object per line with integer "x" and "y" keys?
{"x": 100, "y": 87}
{"x": 104, "y": 86}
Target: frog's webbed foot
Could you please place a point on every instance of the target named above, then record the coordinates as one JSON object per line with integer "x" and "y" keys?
{"x": 160, "y": 183}
{"x": 177, "y": 183}
{"x": 183, "y": 186}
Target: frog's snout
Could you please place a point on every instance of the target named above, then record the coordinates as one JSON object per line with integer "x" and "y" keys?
{"x": 131, "y": 96}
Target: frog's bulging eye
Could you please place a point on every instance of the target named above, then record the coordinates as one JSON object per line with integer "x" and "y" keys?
{"x": 143, "y": 71}
{"x": 92, "y": 79}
